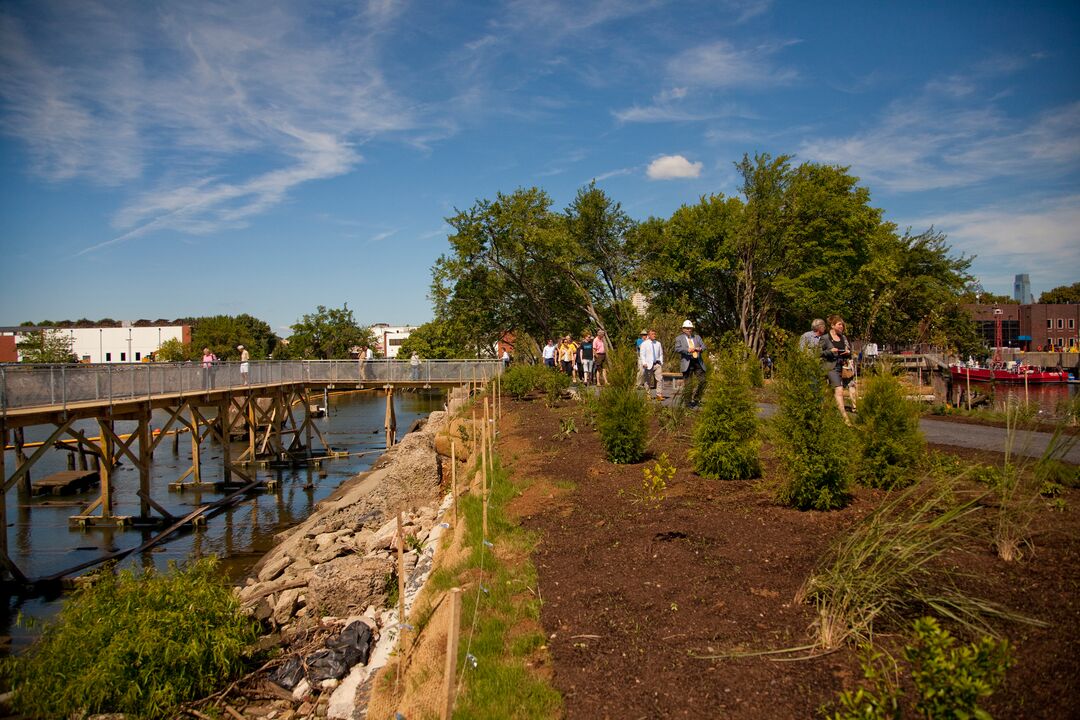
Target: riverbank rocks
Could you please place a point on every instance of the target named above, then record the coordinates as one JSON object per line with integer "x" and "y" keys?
{"x": 459, "y": 431}
{"x": 338, "y": 566}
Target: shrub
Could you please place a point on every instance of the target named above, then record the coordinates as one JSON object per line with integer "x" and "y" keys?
{"x": 520, "y": 380}
{"x": 890, "y": 441}
{"x": 623, "y": 416}
{"x": 134, "y": 643}
{"x": 812, "y": 441}
{"x": 726, "y": 440}
{"x": 948, "y": 680}
{"x": 554, "y": 384}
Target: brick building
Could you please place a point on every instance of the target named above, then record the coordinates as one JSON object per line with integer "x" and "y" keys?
{"x": 1030, "y": 327}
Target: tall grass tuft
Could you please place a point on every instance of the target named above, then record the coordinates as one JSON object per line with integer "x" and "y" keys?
{"x": 886, "y": 569}
{"x": 134, "y": 643}
{"x": 623, "y": 416}
{"x": 890, "y": 441}
{"x": 812, "y": 441}
{"x": 1018, "y": 485}
{"x": 726, "y": 442}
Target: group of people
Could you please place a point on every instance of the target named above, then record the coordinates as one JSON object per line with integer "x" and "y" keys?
{"x": 583, "y": 360}
{"x": 837, "y": 358}
{"x": 210, "y": 361}
{"x": 688, "y": 346}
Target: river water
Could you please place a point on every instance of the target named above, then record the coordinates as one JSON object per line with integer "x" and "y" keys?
{"x": 41, "y": 542}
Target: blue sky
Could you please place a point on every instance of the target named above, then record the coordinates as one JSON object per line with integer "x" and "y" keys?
{"x": 164, "y": 159}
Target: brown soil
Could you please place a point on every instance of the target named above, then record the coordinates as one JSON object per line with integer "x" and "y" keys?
{"x": 635, "y": 596}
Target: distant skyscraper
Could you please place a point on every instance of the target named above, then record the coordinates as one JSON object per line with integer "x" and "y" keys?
{"x": 1022, "y": 289}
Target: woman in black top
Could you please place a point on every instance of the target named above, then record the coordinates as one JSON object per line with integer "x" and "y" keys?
{"x": 835, "y": 352}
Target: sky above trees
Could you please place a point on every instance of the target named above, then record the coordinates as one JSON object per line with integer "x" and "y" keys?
{"x": 165, "y": 160}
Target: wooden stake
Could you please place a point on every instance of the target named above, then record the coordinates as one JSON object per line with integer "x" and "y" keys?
{"x": 453, "y": 477}
{"x": 452, "y": 639}
{"x": 401, "y": 598}
{"x": 968, "y": 393}
{"x": 484, "y": 482}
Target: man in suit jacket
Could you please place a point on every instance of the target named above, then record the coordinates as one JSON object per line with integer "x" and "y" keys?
{"x": 690, "y": 346}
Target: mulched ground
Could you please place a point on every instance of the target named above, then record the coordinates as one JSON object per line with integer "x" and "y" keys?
{"x": 633, "y": 596}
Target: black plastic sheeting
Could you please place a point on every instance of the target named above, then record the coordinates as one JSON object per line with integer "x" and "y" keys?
{"x": 352, "y": 646}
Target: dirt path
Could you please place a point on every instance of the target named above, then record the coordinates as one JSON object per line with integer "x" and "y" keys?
{"x": 634, "y": 596}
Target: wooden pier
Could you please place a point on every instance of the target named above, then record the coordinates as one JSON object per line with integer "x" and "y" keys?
{"x": 273, "y": 415}
{"x": 67, "y": 482}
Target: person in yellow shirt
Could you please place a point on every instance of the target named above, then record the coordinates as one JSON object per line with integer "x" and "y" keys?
{"x": 567, "y": 353}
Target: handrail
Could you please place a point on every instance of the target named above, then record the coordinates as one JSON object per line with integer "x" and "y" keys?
{"x": 24, "y": 386}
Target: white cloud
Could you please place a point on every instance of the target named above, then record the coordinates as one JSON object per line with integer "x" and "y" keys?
{"x": 671, "y": 167}
{"x": 111, "y": 91}
{"x": 924, "y": 145}
{"x": 721, "y": 65}
{"x": 1036, "y": 236}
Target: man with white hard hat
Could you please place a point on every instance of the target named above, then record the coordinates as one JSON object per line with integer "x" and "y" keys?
{"x": 689, "y": 347}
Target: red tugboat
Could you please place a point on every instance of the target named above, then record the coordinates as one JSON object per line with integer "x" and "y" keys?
{"x": 999, "y": 372}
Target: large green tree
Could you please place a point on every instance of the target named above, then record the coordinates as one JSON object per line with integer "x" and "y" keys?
{"x": 223, "y": 333}
{"x": 435, "y": 340}
{"x": 46, "y": 346}
{"x": 327, "y": 333}
{"x": 1061, "y": 295}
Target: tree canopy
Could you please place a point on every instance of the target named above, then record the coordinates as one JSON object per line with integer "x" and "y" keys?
{"x": 326, "y": 334}
{"x": 1061, "y": 295}
{"x": 46, "y": 346}
{"x": 798, "y": 242}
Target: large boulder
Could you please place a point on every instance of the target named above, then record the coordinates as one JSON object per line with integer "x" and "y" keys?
{"x": 347, "y": 585}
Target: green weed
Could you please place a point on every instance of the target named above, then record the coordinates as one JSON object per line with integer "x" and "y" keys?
{"x": 134, "y": 643}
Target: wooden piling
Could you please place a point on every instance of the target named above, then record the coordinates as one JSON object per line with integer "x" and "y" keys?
{"x": 452, "y": 641}
{"x": 453, "y": 477}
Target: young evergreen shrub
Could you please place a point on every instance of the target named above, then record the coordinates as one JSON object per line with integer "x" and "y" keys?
{"x": 623, "y": 417}
{"x": 891, "y": 443}
{"x": 726, "y": 440}
{"x": 812, "y": 441}
{"x": 520, "y": 380}
{"x": 138, "y": 644}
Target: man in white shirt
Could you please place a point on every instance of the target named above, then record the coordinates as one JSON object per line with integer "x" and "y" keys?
{"x": 549, "y": 354}
{"x": 651, "y": 360}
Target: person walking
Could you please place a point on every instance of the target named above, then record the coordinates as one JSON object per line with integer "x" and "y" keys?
{"x": 245, "y": 364}
{"x": 567, "y": 353}
{"x": 651, "y": 360}
{"x": 549, "y": 353}
{"x": 586, "y": 352}
{"x": 836, "y": 357}
{"x": 208, "y": 361}
{"x": 600, "y": 356}
{"x": 637, "y": 348}
{"x": 812, "y": 337}
{"x": 414, "y": 364}
{"x": 690, "y": 346}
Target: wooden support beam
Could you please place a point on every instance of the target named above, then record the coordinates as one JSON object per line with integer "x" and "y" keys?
{"x": 24, "y": 467}
{"x": 391, "y": 418}
{"x": 106, "y": 465}
{"x": 20, "y": 458}
{"x": 146, "y": 457}
{"x": 5, "y": 559}
{"x": 223, "y": 437}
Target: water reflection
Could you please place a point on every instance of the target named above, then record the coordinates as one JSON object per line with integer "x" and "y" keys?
{"x": 41, "y": 542}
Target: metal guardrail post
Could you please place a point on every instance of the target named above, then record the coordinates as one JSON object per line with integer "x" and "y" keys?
{"x": 3, "y": 391}
{"x": 63, "y": 385}
{"x": 52, "y": 385}
{"x": 110, "y": 384}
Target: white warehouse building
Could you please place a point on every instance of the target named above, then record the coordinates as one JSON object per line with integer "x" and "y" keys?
{"x": 120, "y": 344}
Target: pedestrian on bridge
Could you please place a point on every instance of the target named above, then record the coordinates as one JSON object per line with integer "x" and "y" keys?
{"x": 245, "y": 365}
{"x": 209, "y": 359}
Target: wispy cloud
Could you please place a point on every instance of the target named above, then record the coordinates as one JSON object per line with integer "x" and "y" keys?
{"x": 673, "y": 167}
{"x": 693, "y": 76}
{"x": 1031, "y": 235}
{"x": 91, "y": 101}
{"x": 721, "y": 64}
{"x": 924, "y": 145}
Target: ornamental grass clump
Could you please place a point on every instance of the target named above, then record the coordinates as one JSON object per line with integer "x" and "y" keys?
{"x": 887, "y": 569}
{"x": 622, "y": 419}
{"x": 890, "y": 442}
{"x": 134, "y": 643}
{"x": 726, "y": 442}
{"x": 812, "y": 441}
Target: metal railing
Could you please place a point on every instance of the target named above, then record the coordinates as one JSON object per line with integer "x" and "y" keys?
{"x": 29, "y": 386}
